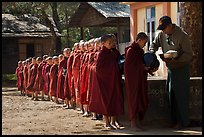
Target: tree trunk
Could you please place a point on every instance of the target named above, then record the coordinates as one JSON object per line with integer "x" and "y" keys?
{"x": 58, "y": 26}
{"x": 50, "y": 25}
{"x": 67, "y": 28}
{"x": 191, "y": 22}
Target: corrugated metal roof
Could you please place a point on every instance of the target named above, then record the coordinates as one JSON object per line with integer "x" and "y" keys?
{"x": 111, "y": 9}
{"x": 24, "y": 25}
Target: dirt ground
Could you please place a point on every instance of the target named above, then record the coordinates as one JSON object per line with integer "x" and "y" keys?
{"x": 23, "y": 116}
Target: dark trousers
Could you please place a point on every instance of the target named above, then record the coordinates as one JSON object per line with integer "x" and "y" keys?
{"x": 178, "y": 88}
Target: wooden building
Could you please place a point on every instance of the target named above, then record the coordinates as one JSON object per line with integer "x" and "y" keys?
{"x": 22, "y": 37}
{"x": 103, "y": 14}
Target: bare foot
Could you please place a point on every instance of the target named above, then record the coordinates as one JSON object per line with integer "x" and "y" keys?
{"x": 109, "y": 127}
{"x": 114, "y": 126}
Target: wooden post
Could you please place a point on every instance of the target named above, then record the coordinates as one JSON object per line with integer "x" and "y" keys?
{"x": 82, "y": 33}
{"x": 118, "y": 31}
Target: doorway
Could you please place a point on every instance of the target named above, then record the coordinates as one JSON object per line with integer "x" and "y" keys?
{"x": 30, "y": 50}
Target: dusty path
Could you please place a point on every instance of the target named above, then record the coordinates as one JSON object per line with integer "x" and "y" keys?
{"x": 23, "y": 116}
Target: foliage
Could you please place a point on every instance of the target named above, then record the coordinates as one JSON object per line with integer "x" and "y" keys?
{"x": 64, "y": 10}
{"x": 8, "y": 77}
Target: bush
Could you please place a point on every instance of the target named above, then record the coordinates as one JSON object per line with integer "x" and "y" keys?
{"x": 8, "y": 77}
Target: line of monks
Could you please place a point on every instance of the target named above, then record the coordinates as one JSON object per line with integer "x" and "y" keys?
{"x": 87, "y": 79}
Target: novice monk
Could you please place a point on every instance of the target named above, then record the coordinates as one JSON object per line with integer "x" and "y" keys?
{"x": 71, "y": 78}
{"x": 46, "y": 76}
{"x": 33, "y": 73}
{"x": 29, "y": 66}
{"x": 92, "y": 83}
{"x": 107, "y": 74}
{"x": 42, "y": 83}
{"x": 75, "y": 73}
{"x": 62, "y": 70}
{"x": 136, "y": 81}
{"x": 19, "y": 75}
{"x": 53, "y": 79}
{"x": 38, "y": 79}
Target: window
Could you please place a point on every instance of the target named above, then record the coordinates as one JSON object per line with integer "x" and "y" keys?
{"x": 150, "y": 24}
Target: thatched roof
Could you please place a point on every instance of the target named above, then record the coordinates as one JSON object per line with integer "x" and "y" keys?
{"x": 90, "y": 14}
{"x": 24, "y": 26}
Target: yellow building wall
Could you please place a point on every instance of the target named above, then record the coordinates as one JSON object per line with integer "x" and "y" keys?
{"x": 174, "y": 12}
{"x": 141, "y": 20}
{"x": 159, "y": 13}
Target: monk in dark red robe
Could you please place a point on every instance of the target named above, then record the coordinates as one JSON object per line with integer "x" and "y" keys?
{"x": 19, "y": 75}
{"x": 69, "y": 90}
{"x": 53, "y": 79}
{"x": 29, "y": 66}
{"x": 42, "y": 83}
{"x": 39, "y": 79}
{"x": 92, "y": 83}
{"x": 25, "y": 76}
{"x": 136, "y": 81}
{"x": 33, "y": 74}
{"x": 75, "y": 73}
{"x": 46, "y": 71}
{"x": 107, "y": 74}
{"x": 61, "y": 75}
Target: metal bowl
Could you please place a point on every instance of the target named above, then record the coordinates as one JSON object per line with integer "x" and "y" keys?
{"x": 171, "y": 54}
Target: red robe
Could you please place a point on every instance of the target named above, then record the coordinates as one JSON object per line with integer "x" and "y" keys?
{"x": 25, "y": 76}
{"x": 19, "y": 75}
{"x": 33, "y": 74}
{"x": 46, "y": 71}
{"x": 75, "y": 73}
{"x": 84, "y": 79}
{"x": 93, "y": 94}
{"x": 38, "y": 86}
{"x": 70, "y": 91}
{"x": 110, "y": 99}
{"x": 43, "y": 76}
{"x": 135, "y": 81}
{"x": 53, "y": 80}
{"x": 60, "y": 81}
{"x": 89, "y": 80}
{"x": 29, "y": 76}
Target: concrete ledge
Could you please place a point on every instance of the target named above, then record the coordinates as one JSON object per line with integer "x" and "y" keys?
{"x": 158, "y": 108}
